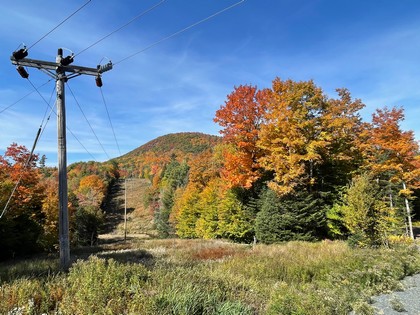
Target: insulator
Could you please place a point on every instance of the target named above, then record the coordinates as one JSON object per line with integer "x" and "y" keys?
{"x": 98, "y": 81}
{"x": 105, "y": 68}
{"x": 20, "y": 54}
{"x": 67, "y": 60}
{"x": 23, "y": 73}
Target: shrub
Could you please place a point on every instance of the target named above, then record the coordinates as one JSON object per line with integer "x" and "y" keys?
{"x": 100, "y": 286}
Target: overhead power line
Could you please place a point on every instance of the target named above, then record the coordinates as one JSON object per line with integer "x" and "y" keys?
{"x": 29, "y": 159}
{"x": 59, "y": 24}
{"x": 110, "y": 122}
{"x": 180, "y": 31}
{"x": 67, "y": 128}
{"x": 87, "y": 120}
{"x": 25, "y": 96}
{"x": 123, "y": 26}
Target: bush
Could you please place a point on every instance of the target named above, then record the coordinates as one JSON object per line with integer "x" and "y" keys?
{"x": 87, "y": 226}
{"x": 19, "y": 237}
{"x": 100, "y": 286}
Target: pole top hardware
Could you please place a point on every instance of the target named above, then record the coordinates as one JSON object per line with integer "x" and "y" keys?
{"x": 20, "y": 53}
{"x": 23, "y": 73}
{"x": 105, "y": 67}
{"x": 64, "y": 64}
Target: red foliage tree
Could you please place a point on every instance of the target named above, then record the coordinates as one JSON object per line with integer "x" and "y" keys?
{"x": 241, "y": 118}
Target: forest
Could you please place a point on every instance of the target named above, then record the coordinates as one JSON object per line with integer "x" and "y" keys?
{"x": 292, "y": 164}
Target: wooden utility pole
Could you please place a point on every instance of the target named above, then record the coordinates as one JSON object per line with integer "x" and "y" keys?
{"x": 125, "y": 209}
{"x": 63, "y": 221}
{"x": 57, "y": 70}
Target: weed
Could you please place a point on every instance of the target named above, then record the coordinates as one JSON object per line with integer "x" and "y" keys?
{"x": 396, "y": 304}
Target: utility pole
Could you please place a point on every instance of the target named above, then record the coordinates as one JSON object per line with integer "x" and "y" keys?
{"x": 125, "y": 209}
{"x": 57, "y": 70}
{"x": 63, "y": 220}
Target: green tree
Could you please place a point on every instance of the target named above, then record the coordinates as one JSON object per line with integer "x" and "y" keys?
{"x": 174, "y": 176}
{"x": 365, "y": 212}
{"x": 292, "y": 217}
{"x": 236, "y": 220}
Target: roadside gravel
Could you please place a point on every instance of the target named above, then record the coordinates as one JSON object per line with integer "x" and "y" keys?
{"x": 400, "y": 302}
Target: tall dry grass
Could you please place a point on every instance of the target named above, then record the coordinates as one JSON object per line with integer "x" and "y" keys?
{"x": 208, "y": 277}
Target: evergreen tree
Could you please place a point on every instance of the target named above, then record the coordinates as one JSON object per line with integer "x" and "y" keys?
{"x": 174, "y": 176}
{"x": 293, "y": 217}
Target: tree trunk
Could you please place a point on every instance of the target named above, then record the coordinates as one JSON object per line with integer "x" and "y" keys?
{"x": 407, "y": 206}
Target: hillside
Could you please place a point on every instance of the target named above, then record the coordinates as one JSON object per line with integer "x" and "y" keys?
{"x": 139, "y": 218}
{"x": 149, "y": 159}
{"x": 141, "y": 165}
{"x": 185, "y": 142}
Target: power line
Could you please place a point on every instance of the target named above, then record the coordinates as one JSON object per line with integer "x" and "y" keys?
{"x": 81, "y": 144}
{"x": 21, "y": 175}
{"x": 21, "y": 99}
{"x": 38, "y": 135}
{"x": 61, "y": 23}
{"x": 46, "y": 110}
{"x": 123, "y": 26}
{"x": 180, "y": 31}
{"x": 43, "y": 98}
{"x": 67, "y": 128}
{"x": 110, "y": 122}
{"x": 87, "y": 120}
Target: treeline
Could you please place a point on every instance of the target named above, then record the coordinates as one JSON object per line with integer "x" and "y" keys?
{"x": 294, "y": 164}
{"x": 30, "y": 222}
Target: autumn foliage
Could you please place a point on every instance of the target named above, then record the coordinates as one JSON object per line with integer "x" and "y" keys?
{"x": 292, "y": 164}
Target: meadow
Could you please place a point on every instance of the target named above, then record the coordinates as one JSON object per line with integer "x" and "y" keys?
{"x": 175, "y": 276}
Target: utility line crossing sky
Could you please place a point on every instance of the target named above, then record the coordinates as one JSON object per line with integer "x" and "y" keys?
{"x": 371, "y": 47}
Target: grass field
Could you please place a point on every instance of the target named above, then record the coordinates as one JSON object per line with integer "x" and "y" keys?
{"x": 206, "y": 277}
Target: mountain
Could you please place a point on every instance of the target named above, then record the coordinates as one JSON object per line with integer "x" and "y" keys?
{"x": 152, "y": 156}
{"x": 182, "y": 145}
{"x": 183, "y": 142}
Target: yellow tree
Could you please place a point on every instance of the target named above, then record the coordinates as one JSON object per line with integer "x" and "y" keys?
{"x": 91, "y": 192}
{"x": 185, "y": 212}
{"x": 50, "y": 211}
{"x": 309, "y": 139}
{"x": 342, "y": 125}
{"x": 293, "y": 137}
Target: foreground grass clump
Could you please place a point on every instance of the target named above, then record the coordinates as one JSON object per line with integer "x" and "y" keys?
{"x": 209, "y": 277}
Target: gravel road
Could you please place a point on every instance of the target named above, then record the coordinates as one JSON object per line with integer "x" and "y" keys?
{"x": 400, "y": 302}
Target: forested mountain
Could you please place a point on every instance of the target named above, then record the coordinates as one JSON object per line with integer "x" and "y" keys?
{"x": 148, "y": 159}
{"x": 183, "y": 142}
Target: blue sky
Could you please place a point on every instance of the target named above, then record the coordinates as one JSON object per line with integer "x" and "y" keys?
{"x": 370, "y": 47}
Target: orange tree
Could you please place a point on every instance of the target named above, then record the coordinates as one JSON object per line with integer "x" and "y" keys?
{"x": 21, "y": 225}
{"x": 241, "y": 118}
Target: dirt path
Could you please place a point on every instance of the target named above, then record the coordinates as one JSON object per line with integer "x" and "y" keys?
{"x": 139, "y": 218}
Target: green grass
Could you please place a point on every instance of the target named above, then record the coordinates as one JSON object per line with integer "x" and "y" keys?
{"x": 207, "y": 277}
